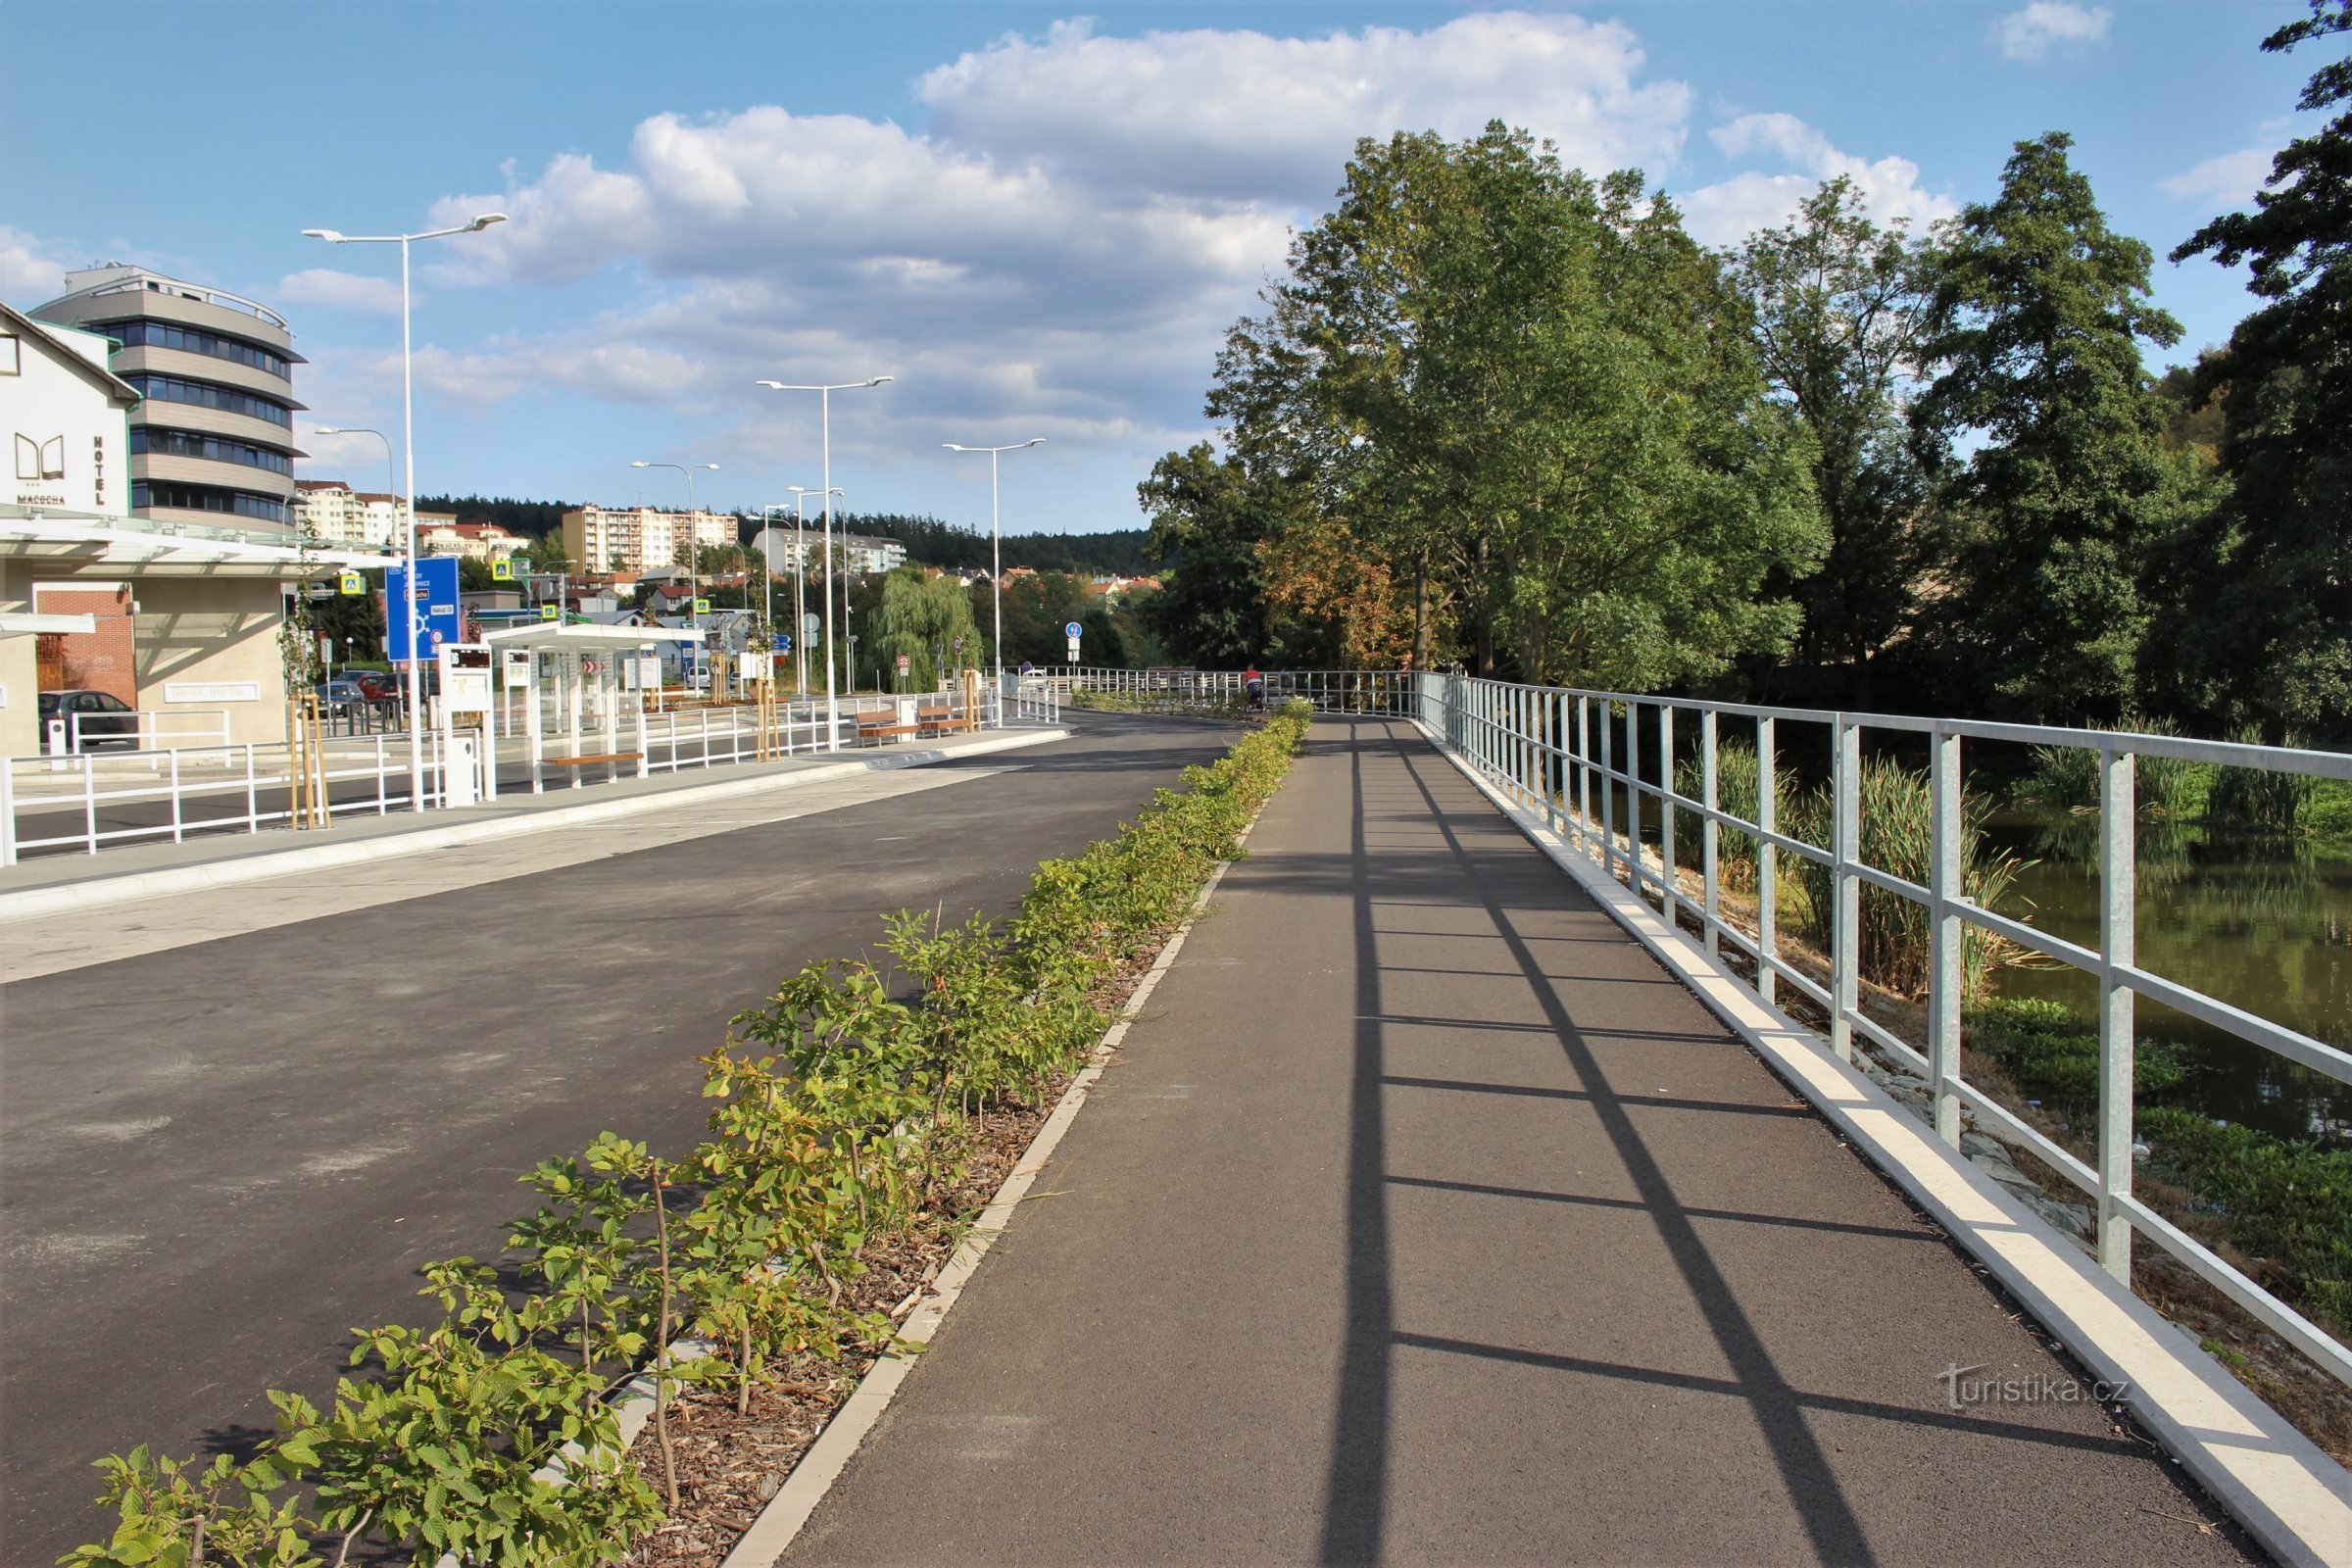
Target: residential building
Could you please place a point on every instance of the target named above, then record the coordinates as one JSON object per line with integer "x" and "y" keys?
{"x": 635, "y": 538}
{"x": 178, "y": 619}
{"x": 477, "y": 540}
{"x": 860, "y": 552}
{"x": 332, "y": 513}
{"x": 212, "y": 439}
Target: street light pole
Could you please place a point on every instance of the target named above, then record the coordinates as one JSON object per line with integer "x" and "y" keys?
{"x": 800, "y": 575}
{"x": 391, "y": 473}
{"x": 825, "y": 393}
{"x": 408, "y": 418}
{"x": 694, "y": 545}
{"x": 996, "y": 553}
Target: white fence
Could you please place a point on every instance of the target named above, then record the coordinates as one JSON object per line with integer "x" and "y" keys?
{"x": 1572, "y": 756}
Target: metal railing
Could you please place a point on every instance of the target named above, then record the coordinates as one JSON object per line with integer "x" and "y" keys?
{"x": 1035, "y": 699}
{"x": 153, "y": 729}
{"x": 1572, "y": 756}
{"x": 89, "y": 801}
{"x": 1331, "y": 691}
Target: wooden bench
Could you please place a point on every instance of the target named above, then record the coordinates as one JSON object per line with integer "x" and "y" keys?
{"x": 878, "y": 727}
{"x": 613, "y": 760}
{"x": 941, "y": 721}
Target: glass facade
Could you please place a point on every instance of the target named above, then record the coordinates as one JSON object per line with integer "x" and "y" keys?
{"x": 146, "y": 494}
{"x": 172, "y": 389}
{"x": 189, "y": 340}
{"x": 146, "y": 440}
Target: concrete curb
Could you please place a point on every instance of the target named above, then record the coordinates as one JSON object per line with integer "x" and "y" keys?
{"x": 104, "y": 890}
{"x": 2288, "y": 1494}
{"x": 780, "y": 1521}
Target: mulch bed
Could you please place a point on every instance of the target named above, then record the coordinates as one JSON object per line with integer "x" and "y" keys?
{"x": 729, "y": 1465}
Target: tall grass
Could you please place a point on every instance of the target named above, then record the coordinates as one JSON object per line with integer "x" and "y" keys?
{"x": 1899, "y": 838}
{"x": 2066, "y": 778}
{"x": 2259, "y": 800}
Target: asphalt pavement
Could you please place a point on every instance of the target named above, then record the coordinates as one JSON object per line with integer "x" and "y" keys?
{"x": 218, "y": 1157}
{"x": 1423, "y": 1218}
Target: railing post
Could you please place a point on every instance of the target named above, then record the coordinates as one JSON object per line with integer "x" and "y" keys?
{"x": 1845, "y": 847}
{"x": 1667, "y": 888}
{"x": 2118, "y": 934}
{"x": 1584, "y": 771}
{"x": 1709, "y": 833}
{"x": 1608, "y": 789}
{"x": 253, "y": 798}
{"x": 1768, "y": 859}
{"x": 1633, "y": 794}
{"x": 177, "y": 836}
{"x": 7, "y": 811}
{"x": 1946, "y": 978}
{"x": 89, "y": 797}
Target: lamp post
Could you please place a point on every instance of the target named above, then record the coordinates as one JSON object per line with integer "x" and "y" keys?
{"x": 996, "y": 561}
{"x": 693, "y": 544}
{"x": 408, "y": 420}
{"x": 391, "y": 474}
{"x": 824, "y": 394}
{"x": 800, "y": 573}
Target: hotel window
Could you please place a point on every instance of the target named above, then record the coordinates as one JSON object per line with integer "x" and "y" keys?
{"x": 12, "y": 355}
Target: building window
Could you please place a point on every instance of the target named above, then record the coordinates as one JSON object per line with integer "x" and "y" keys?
{"x": 12, "y": 355}
{"x": 189, "y": 340}
{"x": 172, "y": 389}
{"x": 147, "y": 494}
{"x": 147, "y": 441}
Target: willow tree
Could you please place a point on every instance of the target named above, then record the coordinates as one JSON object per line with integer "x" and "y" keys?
{"x": 927, "y": 621}
{"x": 1533, "y": 397}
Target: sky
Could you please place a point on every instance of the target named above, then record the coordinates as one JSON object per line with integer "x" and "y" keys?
{"x": 1040, "y": 220}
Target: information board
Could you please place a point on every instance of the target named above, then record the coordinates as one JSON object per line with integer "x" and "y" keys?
{"x": 436, "y": 595}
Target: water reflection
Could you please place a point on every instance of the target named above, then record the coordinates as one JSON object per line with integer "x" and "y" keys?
{"x": 2262, "y": 923}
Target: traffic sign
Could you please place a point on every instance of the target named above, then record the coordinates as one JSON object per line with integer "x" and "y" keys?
{"x": 702, "y": 607}
{"x": 810, "y": 623}
{"x": 904, "y": 664}
{"x": 550, "y": 613}
{"x": 502, "y": 570}
{"x": 436, "y": 606}
{"x": 1074, "y": 631}
{"x": 783, "y": 645}
{"x": 351, "y": 582}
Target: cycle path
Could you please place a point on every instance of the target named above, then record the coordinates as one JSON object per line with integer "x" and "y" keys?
{"x": 1425, "y": 1218}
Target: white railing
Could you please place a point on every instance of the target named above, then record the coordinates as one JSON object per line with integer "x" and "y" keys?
{"x": 1216, "y": 690}
{"x": 1571, "y": 756}
{"x": 88, "y": 800}
{"x": 153, "y": 729}
{"x": 1037, "y": 699}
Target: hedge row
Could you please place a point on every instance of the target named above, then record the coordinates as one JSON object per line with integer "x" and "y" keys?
{"x": 846, "y": 1109}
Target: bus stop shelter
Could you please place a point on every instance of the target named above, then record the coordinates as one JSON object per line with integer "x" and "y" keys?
{"x": 585, "y": 692}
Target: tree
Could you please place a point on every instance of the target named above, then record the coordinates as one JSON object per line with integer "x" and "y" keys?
{"x": 925, "y": 619}
{"x": 1839, "y": 307}
{"x": 2271, "y": 634}
{"x": 1533, "y": 398}
{"x": 1211, "y": 608}
{"x": 2034, "y": 329}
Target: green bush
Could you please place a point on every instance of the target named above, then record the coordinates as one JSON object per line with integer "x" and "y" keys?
{"x": 845, "y": 1108}
{"x": 2257, "y": 799}
{"x": 2048, "y": 1054}
{"x": 2066, "y": 778}
{"x": 2285, "y": 1202}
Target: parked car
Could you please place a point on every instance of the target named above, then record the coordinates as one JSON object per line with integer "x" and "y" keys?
{"x": 342, "y": 695}
{"x": 375, "y": 684}
{"x": 92, "y": 719}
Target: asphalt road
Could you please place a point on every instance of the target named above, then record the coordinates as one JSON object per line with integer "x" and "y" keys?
{"x": 218, "y": 1158}
{"x": 1424, "y": 1218}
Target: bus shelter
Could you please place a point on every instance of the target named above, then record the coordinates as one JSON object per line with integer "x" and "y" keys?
{"x": 585, "y": 689}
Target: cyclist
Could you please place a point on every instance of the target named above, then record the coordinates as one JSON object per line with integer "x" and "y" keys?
{"x": 1255, "y": 685}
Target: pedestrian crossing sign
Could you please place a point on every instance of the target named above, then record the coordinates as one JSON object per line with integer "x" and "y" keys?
{"x": 351, "y": 584}
{"x": 502, "y": 572}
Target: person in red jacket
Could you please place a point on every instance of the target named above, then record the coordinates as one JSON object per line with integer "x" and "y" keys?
{"x": 1255, "y": 685}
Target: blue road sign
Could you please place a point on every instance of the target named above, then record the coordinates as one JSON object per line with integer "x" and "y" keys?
{"x": 783, "y": 645}
{"x": 436, "y": 607}
{"x": 1073, "y": 629}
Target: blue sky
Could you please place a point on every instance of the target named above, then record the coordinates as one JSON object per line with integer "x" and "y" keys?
{"x": 1039, "y": 219}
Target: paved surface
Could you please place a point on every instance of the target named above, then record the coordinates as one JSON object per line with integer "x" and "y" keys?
{"x": 217, "y": 1156}
{"x": 1425, "y": 1219}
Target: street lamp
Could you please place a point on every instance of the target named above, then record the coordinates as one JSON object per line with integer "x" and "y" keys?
{"x": 694, "y": 544}
{"x": 800, "y": 575}
{"x": 824, "y": 394}
{"x": 408, "y": 420}
{"x": 996, "y": 561}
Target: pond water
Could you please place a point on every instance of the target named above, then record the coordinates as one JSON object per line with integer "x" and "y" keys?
{"x": 2263, "y": 924}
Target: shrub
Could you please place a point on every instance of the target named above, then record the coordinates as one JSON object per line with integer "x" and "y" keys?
{"x": 2259, "y": 800}
{"x": 842, "y": 1108}
{"x": 2066, "y": 778}
{"x": 2282, "y": 1201}
{"x": 2051, "y": 1057}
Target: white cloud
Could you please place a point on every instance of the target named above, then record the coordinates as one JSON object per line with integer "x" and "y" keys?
{"x": 2045, "y": 27}
{"x": 2229, "y": 180}
{"x": 1057, "y": 252}
{"x": 27, "y": 277}
{"x": 339, "y": 291}
{"x": 1725, "y": 212}
{"x": 1242, "y": 116}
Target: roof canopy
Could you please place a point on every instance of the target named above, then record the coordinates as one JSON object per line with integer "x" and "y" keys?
{"x": 564, "y": 634}
{"x": 98, "y": 548}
